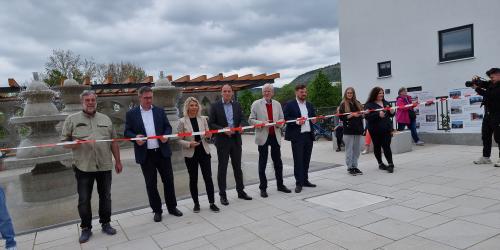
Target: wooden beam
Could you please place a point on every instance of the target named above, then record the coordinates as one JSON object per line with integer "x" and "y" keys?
{"x": 215, "y": 78}
{"x": 13, "y": 83}
{"x": 199, "y": 78}
{"x": 259, "y": 77}
{"x": 183, "y": 79}
{"x": 245, "y": 77}
{"x": 273, "y": 76}
{"x": 231, "y": 77}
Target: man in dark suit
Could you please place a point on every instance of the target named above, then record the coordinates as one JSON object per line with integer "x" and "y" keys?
{"x": 227, "y": 113}
{"x": 301, "y": 135}
{"x": 154, "y": 154}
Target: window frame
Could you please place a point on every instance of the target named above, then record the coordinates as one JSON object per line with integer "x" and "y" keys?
{"x": 440, "y": 43}
{"x": 380, "y": 72}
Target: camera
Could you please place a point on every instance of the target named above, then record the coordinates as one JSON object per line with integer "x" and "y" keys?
{"x": 481, "y": 83}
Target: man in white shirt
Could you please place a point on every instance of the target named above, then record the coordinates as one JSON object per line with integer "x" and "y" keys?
{"x": 301, "y": 135}
{"x": 153, "y": 154}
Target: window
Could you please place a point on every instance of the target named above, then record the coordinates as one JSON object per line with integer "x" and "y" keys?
{"x": 384, "y": 69}
{"x": 456, "y": 43}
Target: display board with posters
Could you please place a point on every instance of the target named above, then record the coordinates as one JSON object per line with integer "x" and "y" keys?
{"x": 466, "y": 114}
{"x": 426, "y": 113}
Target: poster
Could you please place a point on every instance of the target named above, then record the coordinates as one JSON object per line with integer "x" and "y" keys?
{"x": 426, "y": 113}
{"x": 466, "y": 113}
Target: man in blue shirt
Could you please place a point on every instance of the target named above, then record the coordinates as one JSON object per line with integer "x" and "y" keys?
{"x": 227, "y": 113}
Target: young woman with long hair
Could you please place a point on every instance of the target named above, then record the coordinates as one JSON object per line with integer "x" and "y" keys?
{"x": 353, "y": 129}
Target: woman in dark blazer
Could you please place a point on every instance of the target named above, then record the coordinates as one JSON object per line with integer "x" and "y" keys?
{"x": 380, "y": 127}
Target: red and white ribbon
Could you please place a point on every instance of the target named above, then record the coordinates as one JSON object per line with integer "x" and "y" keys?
{"x": 217, "y": 131}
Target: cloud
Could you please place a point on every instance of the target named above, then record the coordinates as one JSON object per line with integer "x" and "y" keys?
{"x": 179, "y": 37}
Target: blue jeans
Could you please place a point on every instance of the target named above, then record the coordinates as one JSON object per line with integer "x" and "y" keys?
{"x": 413, "y": 128}
{"x": 6, "y": 228}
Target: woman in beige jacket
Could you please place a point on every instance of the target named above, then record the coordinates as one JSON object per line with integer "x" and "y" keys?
{"x": 196, "y": 151}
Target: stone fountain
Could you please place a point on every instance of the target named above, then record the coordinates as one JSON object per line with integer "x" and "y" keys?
{"x": 70, "y": 95}
{"x": 166, "y": 95}
{"x": 49, "y": 179}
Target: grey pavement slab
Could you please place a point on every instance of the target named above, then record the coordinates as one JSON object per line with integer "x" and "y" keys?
{"x": 393, "y": 229}
{"x": 350, "y": 237}
{"x": 459, "y": 234}
{"x": 401, "y": 213}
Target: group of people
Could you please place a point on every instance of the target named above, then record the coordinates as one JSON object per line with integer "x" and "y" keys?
{"x": 378, "y": 129}
{"x": 93, "y": 161}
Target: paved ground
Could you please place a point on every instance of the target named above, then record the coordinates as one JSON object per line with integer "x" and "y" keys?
{"x": 438, "y": 200}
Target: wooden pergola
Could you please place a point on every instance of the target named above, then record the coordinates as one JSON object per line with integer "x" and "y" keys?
{"x": 197, "y": 84}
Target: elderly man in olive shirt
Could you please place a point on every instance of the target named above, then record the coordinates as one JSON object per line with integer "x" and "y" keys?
{"x": 92, "y": 161}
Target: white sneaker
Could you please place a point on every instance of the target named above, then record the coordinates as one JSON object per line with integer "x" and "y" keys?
{"x": 483, "y": 160}
{"x": 497, "y": 164}
{"x": 11, "y": 248}
{"x": 419, "y": 143}
{"x": 365, "y": 152}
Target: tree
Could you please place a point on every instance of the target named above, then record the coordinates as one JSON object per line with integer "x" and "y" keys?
{"x": 62, "y": 63}
{"x": 285, "y": 93}
{"x": 246, "y": 98}
{"x": 121, "y": 71}
{"x": 321, "y": 92}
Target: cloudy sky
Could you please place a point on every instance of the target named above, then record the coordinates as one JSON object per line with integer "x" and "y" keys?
{"x": 177, "y": 36}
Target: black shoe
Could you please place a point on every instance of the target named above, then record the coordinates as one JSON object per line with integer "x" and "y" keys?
{"x": 244, "y": 196}
{"x": 175, "y": 212}
{"x": 308, "y": 184}
{"x": 107, "y": 229}
{"x": 196, "y": 208}
{"x": 85, "y": 236}
{"x": 263, "y": 193}
{"x": 157, "y": 217}
{"x": 284, "y": 189}
{"x": 390, "y": 168}
{"x": 214, "y": 208}
{"x": 382, "y": 166}
{"x": 298, "y": 189}
{"x": 338, "y": 150}
{"x": 223, "y": 200}
{"x": 358, "y": 172}
{"x": 352, "y": 172}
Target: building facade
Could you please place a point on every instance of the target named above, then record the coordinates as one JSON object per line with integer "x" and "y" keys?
{"x": 434, "y": 46}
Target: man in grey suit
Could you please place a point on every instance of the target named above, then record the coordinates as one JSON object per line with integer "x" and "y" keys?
{"x": 263, "y": 111}
{"x": 227, "y": 113}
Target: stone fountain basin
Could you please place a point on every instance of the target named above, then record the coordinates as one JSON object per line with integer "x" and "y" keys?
{"x": 37, "y": 119}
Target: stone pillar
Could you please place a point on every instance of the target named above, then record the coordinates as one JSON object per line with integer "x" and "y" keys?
{"x": 166, "y": 96}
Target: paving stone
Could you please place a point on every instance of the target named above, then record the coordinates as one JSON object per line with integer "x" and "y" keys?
{"x": 230, "y": 238}
{"x": 143, "y": 243}
{"x": 401, "y": 213}
{"x": 228, "y": 219}
{"x": 416, "y": 243}
{"x": 297, "y": 242}
{"x": 491, "y": 243}
{"x": 393, "y": 229}
{"x": 352, "y": 238}
{"x": 176, "y": 236}
{"x": 431, "y": 221}
{"x": 255, "y": 244}
{"x": 459, "y": 234}
{"x": 274, "y": 230}
{"x": 321, "y": 245}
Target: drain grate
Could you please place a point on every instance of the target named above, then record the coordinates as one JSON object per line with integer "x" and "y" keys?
{"x": 346, "y": 200}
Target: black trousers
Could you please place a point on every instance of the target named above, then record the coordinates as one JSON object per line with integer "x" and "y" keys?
{"x": 301, "y": 150}
{"x": 382, "y": 141}
{"x": 85, "y": 186}
{"x": 490, "y": 127}
{"x": 225, "y": 150}
{"x": 275, "y": 156}
{"x": 202, "y": 159}
{"x": 156, "y": 162}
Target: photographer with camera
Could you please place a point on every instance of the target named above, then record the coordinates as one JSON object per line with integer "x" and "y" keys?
{"x": 490, "y": 91}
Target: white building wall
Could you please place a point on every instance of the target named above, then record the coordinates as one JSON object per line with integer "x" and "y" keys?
{"x": 405, "y": 32}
